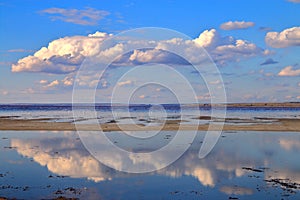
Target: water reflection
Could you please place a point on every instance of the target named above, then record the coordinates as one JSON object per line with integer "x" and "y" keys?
{"x": 237, "y": 165}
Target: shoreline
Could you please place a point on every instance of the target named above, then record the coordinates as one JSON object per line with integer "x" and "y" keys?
{"x": 286, "y": 125}
{"x": 244, "y": 105}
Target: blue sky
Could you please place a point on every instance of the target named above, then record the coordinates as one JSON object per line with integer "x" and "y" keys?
{"x": 272, "y": 26}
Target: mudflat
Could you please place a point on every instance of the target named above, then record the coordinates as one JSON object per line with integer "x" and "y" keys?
{"x": 171, "y": 125}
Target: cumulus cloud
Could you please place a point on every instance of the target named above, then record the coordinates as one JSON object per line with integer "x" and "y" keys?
{"x": 286, "y": 38}
{"x": 209, "y": 38}
{"x": 62, "y": 56}
{"x": 65, "y": 55}
{"x": 225, "y": 49}
{"x": 269, "y": 61}
{"x": 236, "y": 25}
{"x": 289, "y": 71}
{"x": 88, "y": 16}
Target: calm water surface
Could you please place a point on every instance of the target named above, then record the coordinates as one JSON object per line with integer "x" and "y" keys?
{"x": 243, "y": 165}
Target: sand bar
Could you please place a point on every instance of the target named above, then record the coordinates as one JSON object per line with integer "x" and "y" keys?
{"x": 41, "y": 124}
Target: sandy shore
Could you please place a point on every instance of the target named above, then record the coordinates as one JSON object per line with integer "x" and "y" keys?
{"x": 41, "y": 124}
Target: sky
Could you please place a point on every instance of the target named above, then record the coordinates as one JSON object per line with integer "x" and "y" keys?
{"x": 255, "y": 45}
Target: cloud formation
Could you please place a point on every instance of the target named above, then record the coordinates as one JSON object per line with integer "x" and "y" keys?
{"x": 88, "y": 16}
{"x": 286, "y": 38}
{"x": 226, "y": 49}
{"x": 123, "y": 83}
{"x": 65, "y": 55}
{"x": 289, "y": 71}
{"x": 53, "y": 83}
{"x": 236, "y": 25}
{"x": 269, "y": 61}
{"x": 43, "y": 81}
{"x": 62, "y": 56}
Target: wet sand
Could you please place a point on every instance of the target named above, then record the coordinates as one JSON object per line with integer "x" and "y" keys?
{"x": 170, "y": 125}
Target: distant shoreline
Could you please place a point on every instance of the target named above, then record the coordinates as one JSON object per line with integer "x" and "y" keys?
{"x": 277, "y": 105}
{"x": 246, "y": 105}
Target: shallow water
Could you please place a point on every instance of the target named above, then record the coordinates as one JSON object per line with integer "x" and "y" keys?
{"x": 244, "y": 165}
{"x": 145, "y": 114}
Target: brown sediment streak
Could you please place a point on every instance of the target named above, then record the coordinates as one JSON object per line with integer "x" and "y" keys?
{"x": 43, "y": 124}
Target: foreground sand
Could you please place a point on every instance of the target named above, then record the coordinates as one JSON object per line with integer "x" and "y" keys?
{"x": 41, "y": 124}
{"x": 10, "y": 123}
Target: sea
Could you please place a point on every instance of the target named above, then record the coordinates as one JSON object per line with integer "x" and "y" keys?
{"x": 59, "y": 165}
{"x": 106, "y": 112}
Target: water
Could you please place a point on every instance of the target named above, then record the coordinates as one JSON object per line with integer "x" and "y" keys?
{"x": 244, "y": 165}
{"x": 121, "y": 113}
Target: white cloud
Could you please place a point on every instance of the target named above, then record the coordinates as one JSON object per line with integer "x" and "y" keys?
{"x": 289, "y": 71}
{"x": 208, "y": 38}
{"x": 68, "y": 81}
{"x": 53, "y": 83}
{"x": 286, "y": 38}
{"x": 123, "y": 83}
{"x": 43, "y": 82}
{"x": 88, "y": 16}
{"x": 62, "y": 56}
{"x": 236, "y": 25}
{"x": 149, "y": 56}
{"x": 65, "y": 55}
{"x": 240, "y": 48}
{"x": 227, "y": 49}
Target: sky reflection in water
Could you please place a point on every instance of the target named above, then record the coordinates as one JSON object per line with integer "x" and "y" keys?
{"x": 243, "y": 164}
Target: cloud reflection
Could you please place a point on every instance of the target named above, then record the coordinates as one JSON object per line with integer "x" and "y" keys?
{"x": 65, "y": 155}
